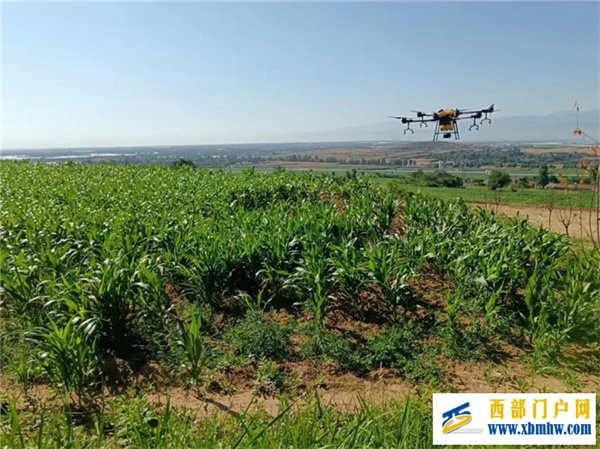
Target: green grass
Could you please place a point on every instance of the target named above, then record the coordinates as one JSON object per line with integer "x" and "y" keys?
{"x": 404, "y": 424}
{"x": 467, "y": 173}
{"x": 483, "y": 195}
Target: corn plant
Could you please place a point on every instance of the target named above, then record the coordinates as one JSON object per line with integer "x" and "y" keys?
{"x": 255, "y": 303}
{"x": 390, "y": 273}
{"x": 350, "y": 271}
{"x": 24, "y": 372}
{"x": 69, "y": 356}
{"x": 543, "y": 338}
{"x": 451, "y": 331}
{"x": 491, "y": 311}
{"x": 315, "y": 275}
{"x": 204, "y": 273}
{"x": 578, "y": 310}
{"x": 277, "y": 282}
{"x": 195, "y": 348}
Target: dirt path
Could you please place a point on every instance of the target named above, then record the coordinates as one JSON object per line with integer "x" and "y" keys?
{"x": 579, "y": 227}
{"x": 348, "y": 392}
{"x": 345, "y": 391}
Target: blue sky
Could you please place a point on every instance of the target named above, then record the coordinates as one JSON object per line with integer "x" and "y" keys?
{"x": 100, "y": 74}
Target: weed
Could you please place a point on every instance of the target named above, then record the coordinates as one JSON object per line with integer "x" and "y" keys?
{"x": 270, "y": 379}
{"x": 259, "y": 338}
{"x": 347, "y": 356}
{"x": 396, "y": 345}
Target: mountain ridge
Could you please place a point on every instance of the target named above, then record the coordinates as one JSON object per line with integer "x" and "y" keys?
{"x": 555, "y": 126}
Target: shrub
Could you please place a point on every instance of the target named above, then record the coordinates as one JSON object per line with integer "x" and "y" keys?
{"x": 399, "y": 347}
{"x": 439, "y": 178}
{"x": 259, "y": 338}
{"x": 395, "y": 345}
{"x": 346, "y": 355}
{"x": 183, "y": 163}
{"x": 498, "y": 180}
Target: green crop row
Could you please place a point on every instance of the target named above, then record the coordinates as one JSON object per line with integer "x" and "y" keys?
{"x": 96, "y": 260}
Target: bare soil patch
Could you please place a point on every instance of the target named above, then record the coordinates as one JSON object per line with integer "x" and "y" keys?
{"x": 579, "y": 227}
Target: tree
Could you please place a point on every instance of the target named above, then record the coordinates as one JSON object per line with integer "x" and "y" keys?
{"x": 180, "y": 163}
{"x": 543, "y": 177}
{"x": 550, "y": 204}
{"x": 498, "y": 180}
{"x": 565, "y": 215}
{"x": 523, "y": 183}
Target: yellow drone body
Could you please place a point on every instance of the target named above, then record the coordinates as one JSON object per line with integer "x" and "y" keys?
{"x": 447, "y": 119}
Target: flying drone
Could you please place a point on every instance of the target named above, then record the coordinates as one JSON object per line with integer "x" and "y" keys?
{"x": 446, "y": 120}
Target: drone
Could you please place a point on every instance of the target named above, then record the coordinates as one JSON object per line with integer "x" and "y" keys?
{"x": 446, "y": 120}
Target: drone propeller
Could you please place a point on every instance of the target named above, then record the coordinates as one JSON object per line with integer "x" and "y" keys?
{"x": 420, "y": 114}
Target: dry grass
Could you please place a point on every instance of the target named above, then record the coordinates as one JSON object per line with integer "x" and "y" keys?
{"x": 560, "y": 150}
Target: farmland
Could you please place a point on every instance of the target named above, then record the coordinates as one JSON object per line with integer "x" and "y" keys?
{"x": 483, "y": 195}
{"x": 147, "y": 306}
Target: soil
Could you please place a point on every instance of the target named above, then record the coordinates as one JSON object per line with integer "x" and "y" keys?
{"x": 344, "y": 391}
{"x": 233, "y": 391}
{"x": 579, "y": 227}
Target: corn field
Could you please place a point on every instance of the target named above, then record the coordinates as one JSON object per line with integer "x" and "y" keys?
{"x": 102, "y": 262}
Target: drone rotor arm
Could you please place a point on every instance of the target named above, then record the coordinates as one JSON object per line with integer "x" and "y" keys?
{"x": 421, "y": 113}
{"x": 470, "y": 111}
{"x": 407, "y": 119}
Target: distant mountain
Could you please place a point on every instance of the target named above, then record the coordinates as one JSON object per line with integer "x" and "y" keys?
{"x": 558, "y": 126}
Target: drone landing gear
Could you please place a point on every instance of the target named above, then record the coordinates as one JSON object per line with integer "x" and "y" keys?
{"x": 486, "y": 119}
{"x": 445, "y": 134}
{"x": 408, "y": 128}
{"x": 474, "y": 125}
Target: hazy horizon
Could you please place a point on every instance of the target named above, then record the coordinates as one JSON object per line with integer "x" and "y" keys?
{"x": 377, "y": 132}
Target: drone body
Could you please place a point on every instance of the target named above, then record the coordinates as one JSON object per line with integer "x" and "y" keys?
{"x": 446, "y": 120}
